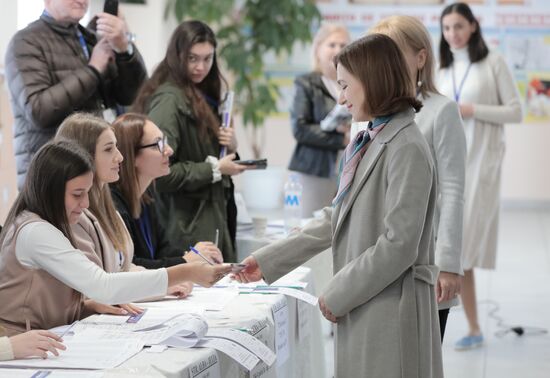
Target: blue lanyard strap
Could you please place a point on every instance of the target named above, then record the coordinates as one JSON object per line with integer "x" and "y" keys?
{"x": 83, "y": 43}
{"x": 145, "y": 227}
{"x": 455, "y": 91}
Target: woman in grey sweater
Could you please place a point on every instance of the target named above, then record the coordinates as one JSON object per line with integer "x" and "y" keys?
{"x": 440, "y": 122}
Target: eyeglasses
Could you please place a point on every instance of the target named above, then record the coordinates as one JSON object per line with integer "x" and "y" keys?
{"x": 160, "y": 144}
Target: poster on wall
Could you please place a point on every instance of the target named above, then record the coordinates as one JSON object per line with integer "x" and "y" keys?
{"x": 518, "y": 29}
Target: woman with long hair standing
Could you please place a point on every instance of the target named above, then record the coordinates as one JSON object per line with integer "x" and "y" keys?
{"x": 182, "y": 97}
{"x": 481, "y": 83}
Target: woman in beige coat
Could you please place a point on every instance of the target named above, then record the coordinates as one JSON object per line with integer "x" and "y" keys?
{"x": 481, "y": 83}
{"x": 379, "y": 227}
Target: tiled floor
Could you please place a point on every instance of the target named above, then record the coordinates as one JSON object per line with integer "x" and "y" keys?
{"x": 520, "y": 287}
{"x": 520, "y": 291}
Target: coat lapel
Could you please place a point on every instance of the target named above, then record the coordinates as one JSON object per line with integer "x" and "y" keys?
{"x": 367, "y": 165}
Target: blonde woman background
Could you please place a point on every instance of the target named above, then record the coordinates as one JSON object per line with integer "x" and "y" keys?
{"x": 319, "y": 125}
{"x": 440, "y": 122}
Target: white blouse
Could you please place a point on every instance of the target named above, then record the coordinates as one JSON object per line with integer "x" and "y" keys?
{"x": 40, "y": 245}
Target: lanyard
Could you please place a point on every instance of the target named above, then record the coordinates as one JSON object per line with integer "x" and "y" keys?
{"x": 145, "y": 228}
{"x": 82, "y": 43}
{"x": 455, "y": 91}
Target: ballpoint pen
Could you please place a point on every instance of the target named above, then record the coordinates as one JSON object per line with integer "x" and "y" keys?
{"x": 200, "y": 255}
{"x": 68, "y": 329}
{"x": 217, "y": 238}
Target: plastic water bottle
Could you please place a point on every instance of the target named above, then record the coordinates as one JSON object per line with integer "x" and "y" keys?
{"x": 293, "y": 202}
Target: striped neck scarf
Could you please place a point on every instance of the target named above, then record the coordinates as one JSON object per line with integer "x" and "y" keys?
{"x": 354, "y": 153}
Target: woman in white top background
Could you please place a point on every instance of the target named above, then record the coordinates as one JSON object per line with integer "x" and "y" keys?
{"x": 481, "y": 83}
{"x": 440, "y": 122}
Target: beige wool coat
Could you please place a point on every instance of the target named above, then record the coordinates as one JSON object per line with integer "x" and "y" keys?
{"x": 382, "y": 240}
{"x": 490, "y": 86}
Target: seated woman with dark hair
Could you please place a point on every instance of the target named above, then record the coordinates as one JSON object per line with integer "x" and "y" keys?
{"x": 43, "y": 277}
{"x": 146, "y": 157}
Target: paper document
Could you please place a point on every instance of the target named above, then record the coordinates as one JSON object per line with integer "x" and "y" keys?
{"x": 26, "y": 373}
{"x": 248, "y": 341}
{"x": 280, "y": 318}
{"x": 299, "y": 294}
{"x": 226, "y": 110}
{"x": 212, "y": 300}
{"x": 233, "y": 350}
{"x": 84, "y": 353}
{"x": 183, "y": 331}
{"x": 107, "y": 319}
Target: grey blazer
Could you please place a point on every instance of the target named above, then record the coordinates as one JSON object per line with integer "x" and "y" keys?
{"x": 382, "y": 241}
{"x": 440, "y": 122}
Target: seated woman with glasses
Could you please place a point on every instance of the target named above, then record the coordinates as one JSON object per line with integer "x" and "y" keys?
{"x": 100, "y": 232}
{"x": 146, "y": 157}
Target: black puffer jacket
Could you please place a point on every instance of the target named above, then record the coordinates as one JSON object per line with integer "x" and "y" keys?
{"x": 49, "y": 78}
{"x": 316, "y": 150}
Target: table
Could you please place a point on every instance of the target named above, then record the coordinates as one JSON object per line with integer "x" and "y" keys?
{"x": 306, "y": 356}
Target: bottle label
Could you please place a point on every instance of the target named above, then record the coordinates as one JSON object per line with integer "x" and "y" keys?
{"x": 291, "y": 200}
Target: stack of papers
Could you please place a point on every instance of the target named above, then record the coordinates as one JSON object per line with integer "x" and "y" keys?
{"x": 84, "y": 353}
{"x": 182, "y": 331}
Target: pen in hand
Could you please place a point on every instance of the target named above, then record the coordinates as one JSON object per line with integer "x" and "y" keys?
{"x": 191, "y": 248}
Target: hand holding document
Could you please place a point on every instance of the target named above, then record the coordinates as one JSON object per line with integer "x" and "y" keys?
{"x": 251, "y": 273}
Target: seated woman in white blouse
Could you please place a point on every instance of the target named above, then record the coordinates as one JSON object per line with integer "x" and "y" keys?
{"x": 100, "y": 232}
{"x": 43, "y": 277}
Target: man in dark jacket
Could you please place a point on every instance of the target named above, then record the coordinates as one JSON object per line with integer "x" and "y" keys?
{"x": 55, "y": 67}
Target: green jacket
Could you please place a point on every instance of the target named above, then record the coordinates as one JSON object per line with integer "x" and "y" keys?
{"x": 189, "y": 204}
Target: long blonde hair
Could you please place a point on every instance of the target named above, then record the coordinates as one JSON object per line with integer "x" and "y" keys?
{"x": 409, "y": 32}
{"x": 85, "y": 129}
{"x": 325, "y": 31}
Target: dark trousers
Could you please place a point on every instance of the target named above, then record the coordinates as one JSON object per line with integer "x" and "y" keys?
{"x": 443, "y": 314}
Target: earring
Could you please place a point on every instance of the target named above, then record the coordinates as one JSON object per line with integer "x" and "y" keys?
{"x": 418, "y": 76}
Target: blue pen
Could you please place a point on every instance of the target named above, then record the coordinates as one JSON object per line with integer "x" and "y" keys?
{"x": 200, "y": 255}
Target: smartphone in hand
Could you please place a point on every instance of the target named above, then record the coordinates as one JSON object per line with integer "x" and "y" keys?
{"x": 257, "y": 163}
{"x": 111, "y": 7}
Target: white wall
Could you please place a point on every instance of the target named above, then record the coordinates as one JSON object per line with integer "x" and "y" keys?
{"x": 8, "y": 25}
